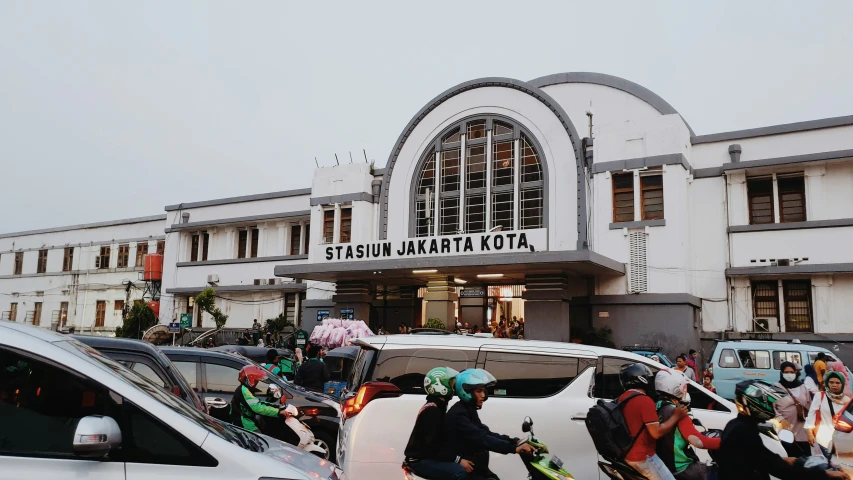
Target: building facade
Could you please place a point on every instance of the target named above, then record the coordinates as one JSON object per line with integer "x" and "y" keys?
{"x": 574, "y": 201}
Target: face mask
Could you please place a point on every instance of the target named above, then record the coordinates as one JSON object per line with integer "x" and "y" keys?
{"x": 790, "y": 377}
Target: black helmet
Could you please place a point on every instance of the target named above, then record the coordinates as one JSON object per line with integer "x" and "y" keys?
{"x": 637, "y": 375}
{"x": 757, "y": 399}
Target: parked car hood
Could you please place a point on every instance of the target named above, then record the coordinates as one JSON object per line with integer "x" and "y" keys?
{"x": 289, "y": 454}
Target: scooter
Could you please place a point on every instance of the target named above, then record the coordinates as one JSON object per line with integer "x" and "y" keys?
{"x": 304, "y": 436}
{"x": 540, "y": 466}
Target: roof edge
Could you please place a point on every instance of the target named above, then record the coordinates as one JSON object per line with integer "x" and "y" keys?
{"x": 243, "y": 198}
{"x": 807, "y": 125}
{"x": 108, "y": 223}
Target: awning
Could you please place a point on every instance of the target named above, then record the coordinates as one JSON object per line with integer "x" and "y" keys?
{"x": 514, "y": 267}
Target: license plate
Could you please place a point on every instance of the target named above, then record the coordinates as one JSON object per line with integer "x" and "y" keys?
{"x": 555, "y": 460}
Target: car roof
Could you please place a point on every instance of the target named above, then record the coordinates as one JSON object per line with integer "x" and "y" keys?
{"x": 36, "y": 332}
{"x": 203, "y": 352}
{"x": 344, "y": 352}
{"x": 769, "y": 344}
{"x": 127, "y": 344}
{"x": 469, "y": 341}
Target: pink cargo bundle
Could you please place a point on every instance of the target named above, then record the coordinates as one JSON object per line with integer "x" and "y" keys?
{"x": 337, "y": 332}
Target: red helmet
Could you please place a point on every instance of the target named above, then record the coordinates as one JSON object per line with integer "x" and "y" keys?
{"x": 250, "y": 375}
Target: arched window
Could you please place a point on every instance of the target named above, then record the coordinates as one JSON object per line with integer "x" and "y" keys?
{"x": 479, "y": 175}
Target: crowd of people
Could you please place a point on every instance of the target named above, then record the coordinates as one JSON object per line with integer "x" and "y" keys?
{"x": 504, "y": 328}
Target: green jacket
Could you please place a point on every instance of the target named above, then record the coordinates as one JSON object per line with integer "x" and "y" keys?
{"x": 273, "y": 369}
{"x": 249, "y": 407}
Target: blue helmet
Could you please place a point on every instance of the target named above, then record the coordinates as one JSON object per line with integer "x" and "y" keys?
{"x": 471, "y": 379}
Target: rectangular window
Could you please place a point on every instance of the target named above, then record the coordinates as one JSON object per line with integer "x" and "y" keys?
{"x": 42, "y": 262}
{"x": 502, "y": 163}
{"x": 502, "y": 205}
{"x": 651, "y": 200}
{"x": 406, "y": 368}
{"x": 450, "y": 170}
{"x": 346, "y": 225}
{"x": 141, "y": 251}
{"x": 765, "y": 300}
{"x": 792, "y": 198}
{"x": 779, "y": 357}
{"x": 623, "y": 197}
{"x": 256, "y": 235}
{"x": 755, "y": 359}
{"x": 475, "y": 213}
{"x": 307, "y": 237}
{"x": 19, "y": 263}
{"x": 194, "y": 239}
{"x": 798, "y": 305}
{"x": 521, "y": 375}
{"x": 531, "y": 208}
{"x": 475, "y": 167}
{"x": 123, "y": 255}
{"x": 607, "y": 383}
{"x": 205, "y": 245}
{"x": 37, "y": 313}
{"x": 242, "y": 241}
{"x": 759, "y": 193}
{"x": 13, "y": 312}
{"x": 424, "y": 223}
{"x": 103, "y": 259}
{"x": 728, "y": 359}
{"x": 449, "y": 216}
{"x": 295, "y": 235}
{"x": 68, "y": 259}
{"x": 118, "y": 305}
{"x": 100, "y": 312}
{"x": 63, "y": 313}
{"x": 161, "y": 247}
{"x": 328, "y": 226}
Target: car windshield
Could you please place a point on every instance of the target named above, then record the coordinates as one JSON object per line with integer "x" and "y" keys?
{"x": 227, "y": 432}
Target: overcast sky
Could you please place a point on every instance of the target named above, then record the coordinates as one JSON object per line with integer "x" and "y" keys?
{"x": 115, "y": 109}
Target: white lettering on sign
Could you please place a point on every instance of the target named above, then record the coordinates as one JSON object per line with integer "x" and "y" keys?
{"x": 603, "y": 314}
{"x": 448, "y": 245}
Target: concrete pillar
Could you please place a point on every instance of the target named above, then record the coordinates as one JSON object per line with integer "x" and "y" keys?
{"x": 355, "y": 295}
{"x": 441, "y": 301}
{"x": 546, "y": 308}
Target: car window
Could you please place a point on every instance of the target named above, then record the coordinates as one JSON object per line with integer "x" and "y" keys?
{"x": 813, "y": 357}
{"x": 147, "y": 440}
{"x": 700, "y": 399}
{"x": 221, "y": 379}
{"x": 406, "y": 368}
{"x": 779, "y": 357}
{"x": 148, "y": 373}
{"x": 188, "y": 370}
{"x": 759, "y": 359}
{"x": 607, "y": 383}
{"x": 530, "y": 375}
{"x": 360, "y": 367}
{"x": 728, "y": 359}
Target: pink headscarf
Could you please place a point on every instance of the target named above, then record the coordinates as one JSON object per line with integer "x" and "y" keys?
{"x": 840, "y": 368}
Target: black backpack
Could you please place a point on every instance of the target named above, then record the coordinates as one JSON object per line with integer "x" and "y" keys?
{"x": 608, "y": 429}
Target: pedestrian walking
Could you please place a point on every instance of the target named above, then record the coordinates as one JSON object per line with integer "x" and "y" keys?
{"x": 820, "y": 423}
{"x": 820, "y": 369}
{"x": 681, "y": 366}
{"x": 692, "y": 362}
{"x": 792, "y": 410}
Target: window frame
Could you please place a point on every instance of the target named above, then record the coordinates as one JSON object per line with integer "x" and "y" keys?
{"x": 37, "y": 309}
{"x": 242, "y": 242}
{"x": 581, "y": 365}
{"x": 346, "y": 225}
{"x": 141, "y": 251}
{"x": 19, "y": 264}
{"x": 643, "y": 189}
{"x": 775, "y": 298}
{"x": 750, "y": 195}
{"x": 295, "y": 243}
{"x": 123, "y": 260}
{"x": 41, "y": 267}
{"x": 789, "y": 298}
{"x": 616, "y": 191}
{"x": 13, "y": 312}
{"x": 100, "y": 313}
{"x": 161, "y": 247}
{"x": 104, "y": 253}
{"x": 754, "y": 359}
{"x": 787, "y": 180}
{"x": 599, "y": 367}
{"x": 328, "y": 226}
{"x": 734, "y": 355}
{"x": 409, "y": 352}
{"x": 255, "y": 233}
{"x": 68, "y": 259}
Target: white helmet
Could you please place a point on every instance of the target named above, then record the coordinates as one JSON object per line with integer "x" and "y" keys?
{"x": 672, "y": 383}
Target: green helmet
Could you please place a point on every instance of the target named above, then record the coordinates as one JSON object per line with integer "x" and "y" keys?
{"x": 758, "y": 399}
{"x": 440, "y": 381}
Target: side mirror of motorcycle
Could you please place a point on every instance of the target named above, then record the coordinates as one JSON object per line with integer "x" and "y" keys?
{"x": 527, "y": 425}
{"x": 697, "y": 422}
{"x": 786, "y": 436}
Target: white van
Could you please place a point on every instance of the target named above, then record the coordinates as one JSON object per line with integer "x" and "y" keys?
{"x": 554, "y": 383}
{"x": 70, "y": 412}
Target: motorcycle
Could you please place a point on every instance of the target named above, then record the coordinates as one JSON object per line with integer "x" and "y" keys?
{"x": 297, "y": 433}
{"x": 540, "y": 466}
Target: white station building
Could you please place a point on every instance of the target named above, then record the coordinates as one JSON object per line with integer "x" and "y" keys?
{"x": 506, "y": 198}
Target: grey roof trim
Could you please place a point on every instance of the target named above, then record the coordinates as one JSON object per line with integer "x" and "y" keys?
{"x": 231, "y": 261}
{"x": 641, "y": 299}
{"x": 493, "y": 82}
{"x": 611, "y": 81}
{"x": 240, "y": 199}
{"x": 284, "y": 287}
{"x": 109, "y": 223}
{"x": 317, "y": 303}
{"x": 573, "y": 256}
{"x": 177, "y": 227}
{"x": 774, "y": 130}
{"x": 349, "y": 197}
{"x": 805, "y": 158}
{"x": 640, "y": 224}
{"x": 93, "y": 271}
{"x": 708, "y": 172}
{"x": 818, "y": 268}
{"x": 841, "y": 222}
{"x": 378, "y": 172}
{"x": 642, "y": 162}
{"x": 89, "y": 244}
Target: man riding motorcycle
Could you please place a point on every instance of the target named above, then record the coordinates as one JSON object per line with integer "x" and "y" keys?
{"x": 674, "y": 447}
{"x": 244, "y": 404}
{"x": 465, "y": 435}
{"x": 742, "y": 455}
{"x": 424, "y": 454}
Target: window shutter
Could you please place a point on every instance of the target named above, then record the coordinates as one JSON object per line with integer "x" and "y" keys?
{"x": 638, "y": 272}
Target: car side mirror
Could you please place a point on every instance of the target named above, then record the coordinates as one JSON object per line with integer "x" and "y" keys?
{"x": 786, "y": 436}
{"x": 96, "y": 436}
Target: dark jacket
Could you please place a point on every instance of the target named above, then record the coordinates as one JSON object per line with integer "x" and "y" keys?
{"x": 743, "y": 456}
{"x": 312, "y": 374}
{"x": 426, "y": 439}
{"x": 466, "y": 436}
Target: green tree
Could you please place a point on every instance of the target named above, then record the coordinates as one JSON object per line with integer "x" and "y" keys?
{"x": 277, "y": 325}
{"x": 206, "y": 300}
{"x": 434, "y": 323}
{"x": 139, "y": 319}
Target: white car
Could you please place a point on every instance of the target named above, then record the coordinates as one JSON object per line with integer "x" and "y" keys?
{"x": 554, "y": 383}
{"x": 70, "y": 412}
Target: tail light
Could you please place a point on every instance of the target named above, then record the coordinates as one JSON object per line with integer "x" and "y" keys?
{"x": 843, "y": 423}
{"x": 310, "y": 411}
{"x": 369, "y": 391}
